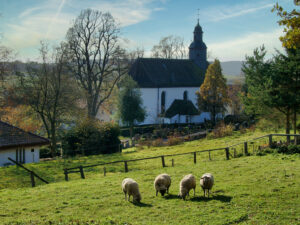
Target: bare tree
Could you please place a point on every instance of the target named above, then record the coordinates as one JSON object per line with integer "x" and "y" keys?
{"x": 97, "y": 60}
{"x": 48, "y": 90}
{"x": 170, "y": 47}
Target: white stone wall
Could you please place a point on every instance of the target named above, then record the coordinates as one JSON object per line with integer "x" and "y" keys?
{"x": 152, "y": 103}
{"x": 29, "y": 156}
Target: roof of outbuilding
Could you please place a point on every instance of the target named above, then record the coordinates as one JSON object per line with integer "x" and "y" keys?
{"x": 157, "y": 72}
{"x": 11, "y": 136}
{"x": 181, "y": 107}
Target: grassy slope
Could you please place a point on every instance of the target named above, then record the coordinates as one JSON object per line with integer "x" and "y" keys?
{"x": 52, "y": 171}
{"x": 258, "y": 190}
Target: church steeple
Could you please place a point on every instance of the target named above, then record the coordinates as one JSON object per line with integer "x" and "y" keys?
{"x": 198, "y": 49}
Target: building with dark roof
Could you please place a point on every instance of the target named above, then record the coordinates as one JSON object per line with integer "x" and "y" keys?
{"x": 19, "y": 145}
{"x": 168, "y": 85}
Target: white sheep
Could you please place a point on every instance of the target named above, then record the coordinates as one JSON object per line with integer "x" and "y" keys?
{"x": 187, "y": 183}
{"x": 162, "y": 183}
{"x": 131, "y": 187}
{"x": 207, "y": 182}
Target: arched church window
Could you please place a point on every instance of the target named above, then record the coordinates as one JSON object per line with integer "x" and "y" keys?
{"x": 163, "y": 102}
{"x": 185, "y": 95}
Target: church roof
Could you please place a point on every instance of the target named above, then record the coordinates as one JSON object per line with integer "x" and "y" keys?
{"x": 157, "y": 72}
{"x": 11, "y": 136}
{"x": 181, "y": 107}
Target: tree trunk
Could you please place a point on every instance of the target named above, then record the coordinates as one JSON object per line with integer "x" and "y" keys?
{"x": 288, "y": 125}
{"x": 213, "y": 115}
{"x": 131, "y": 134}
{"x": 295, "y": 121}
{"x": 53, "y": 140}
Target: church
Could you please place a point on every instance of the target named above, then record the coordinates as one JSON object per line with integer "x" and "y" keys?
{"x": 168, "y": 86}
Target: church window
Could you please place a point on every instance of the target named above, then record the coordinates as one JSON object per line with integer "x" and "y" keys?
{"x": 163, "y": 102}
{"x": 185, "y": 95}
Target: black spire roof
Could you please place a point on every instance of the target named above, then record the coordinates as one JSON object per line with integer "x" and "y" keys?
{"x": 156, "y": 72}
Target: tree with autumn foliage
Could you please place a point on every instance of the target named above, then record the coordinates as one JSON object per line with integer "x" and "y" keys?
{"x": 291, "y": 23}
{"x": 212, "y": 96}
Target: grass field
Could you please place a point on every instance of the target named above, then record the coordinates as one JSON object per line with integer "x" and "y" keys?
{"x": 248, "y": 190}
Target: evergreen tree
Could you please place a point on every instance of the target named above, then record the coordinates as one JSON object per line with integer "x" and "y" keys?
{"x": 130, "y": 103}
{"x": 273, "y": 84}
{"x": 213, "y": 96}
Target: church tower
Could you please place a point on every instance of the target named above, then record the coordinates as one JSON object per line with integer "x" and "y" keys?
{"x": 198, "y": 49}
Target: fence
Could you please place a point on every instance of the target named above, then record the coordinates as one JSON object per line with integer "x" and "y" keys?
{"x": 32, "y": 174}
{"x": 79, "y": 169}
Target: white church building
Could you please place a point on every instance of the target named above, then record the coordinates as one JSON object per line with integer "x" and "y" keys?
{"x": 168, "y": 86}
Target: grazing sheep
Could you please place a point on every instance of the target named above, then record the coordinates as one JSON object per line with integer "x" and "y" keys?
{"x": 206, "y": 182}
{"x": 162, "y": 183}
{"x": 186, "y": 184}
{"x": 131, "y": 187}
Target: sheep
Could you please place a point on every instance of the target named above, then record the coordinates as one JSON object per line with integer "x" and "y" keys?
{"x": 207, "y": 182}
{"x": 187, "y": 183}
{"x": 131, "y": 187}
{"x": 162, "y": 183}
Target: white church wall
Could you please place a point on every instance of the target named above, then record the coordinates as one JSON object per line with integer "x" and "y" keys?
{"x": 152, "y": 103}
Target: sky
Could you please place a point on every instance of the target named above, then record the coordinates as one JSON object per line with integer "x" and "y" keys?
{"x": 232, "y": 28}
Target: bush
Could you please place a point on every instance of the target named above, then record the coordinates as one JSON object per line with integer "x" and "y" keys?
{"x": 174, "y": 141}
{"x": 221, "y": 130}
{"x": 90, "y": 138}
{"x": 158, "y": 142}
{"x": 290, "y": 149}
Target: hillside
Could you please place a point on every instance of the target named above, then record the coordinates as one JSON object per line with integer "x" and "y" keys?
{"x": 254, "y": 189}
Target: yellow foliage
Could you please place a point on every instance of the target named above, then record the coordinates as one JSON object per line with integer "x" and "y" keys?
{"x": 291, "y": 21}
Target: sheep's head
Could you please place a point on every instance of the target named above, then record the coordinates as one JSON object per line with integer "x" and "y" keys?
{"x": 163, "y": 192}
{"x": 183, "y": 193}
{"x": 205, "y": 180}
{"x": 137, "y": 198}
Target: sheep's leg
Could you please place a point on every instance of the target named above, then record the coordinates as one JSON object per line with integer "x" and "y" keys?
{"x": 168, "y": 190}
{"x": 156, "y": 192}
{"x": 125, "y": 195}
{"x": 208, "y": 193}
{"x": 204, "y": 193}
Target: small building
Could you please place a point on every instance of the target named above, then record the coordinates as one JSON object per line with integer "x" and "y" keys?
{"x": 169, "y": 85}
{"x": 21, "y": 146}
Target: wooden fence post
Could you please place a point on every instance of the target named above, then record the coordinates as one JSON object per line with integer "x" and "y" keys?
{"x": 195, "y": 157}
{"x": 66, "y": 175}
{"x": 227, "y": 153}
{"x": 245, "y": 148}
{"x": 126, "y": 166}
{"x": 163, "y": 161}
{"x": 104, "y": 171}
{"x": 172, "y": 162}
{"x": 81, "y": 172}
{"x": 209, "y": 156}
{"x": 270, "y": 140}
{"x": 32, "y": 179}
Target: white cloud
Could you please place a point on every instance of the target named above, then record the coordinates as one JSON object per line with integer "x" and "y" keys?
{"x": 237, "y": 48}
{"x": 223, "y": 12}
{"x": 51, "y": 19}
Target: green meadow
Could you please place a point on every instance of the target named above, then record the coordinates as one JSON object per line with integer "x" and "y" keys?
{"x": 248, "y": 190}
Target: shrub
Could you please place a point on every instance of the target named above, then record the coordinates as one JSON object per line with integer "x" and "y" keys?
{"x": 174, "y": 141}
{"x": 90, "y": 138}
{"x": 290, "y": 149}
{"x": 221, "y": 130}
{"x": 158, "y": 142}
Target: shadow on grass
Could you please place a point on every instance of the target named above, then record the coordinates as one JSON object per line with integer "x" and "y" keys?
{"x": 170, "y": 196}
{"x": 222, "y": 198}
{"x": 140, "y": 204}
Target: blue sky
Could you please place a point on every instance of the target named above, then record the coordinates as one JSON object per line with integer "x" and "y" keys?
{"x": 232, "y": 28}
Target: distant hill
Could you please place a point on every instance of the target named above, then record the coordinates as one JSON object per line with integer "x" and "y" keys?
{"x": 233, "y": 71}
